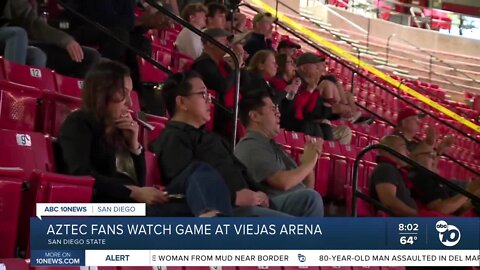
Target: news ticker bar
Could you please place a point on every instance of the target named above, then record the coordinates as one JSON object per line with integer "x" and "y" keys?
{"x": 257, "y": 258}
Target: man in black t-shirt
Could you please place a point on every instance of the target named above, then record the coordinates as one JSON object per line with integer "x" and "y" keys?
{"x": 388, "y": 179}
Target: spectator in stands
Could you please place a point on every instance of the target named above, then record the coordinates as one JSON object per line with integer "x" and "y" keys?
{"x": 408, "y": 125}
{"x": 288, "y": 47}
{"x": 117, "y": 16}
{"x": 217, "y": 16}
{"x": 64, "y": 54}
{"x": 184, "y": 141}
{"x": 335, "y": 94}
{"x": 288, "y": 81}
{"x": 236, "y": 45}
{"x": 260, "y": 38}
{"x": 14, "y": 47}
{"x": 188, "y": 42}
{"x": 217, "y": 76}
{"x": 313, "y": 111}
{"x": 431, "y": 193}
{"x": 101, "y": 140}
{"x": 239, "y": 19}
{"x": 388, "y": 181}
{"x": 272, "y": 169}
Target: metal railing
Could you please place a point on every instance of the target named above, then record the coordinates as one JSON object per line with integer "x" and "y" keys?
{"x": 437, "y": 178}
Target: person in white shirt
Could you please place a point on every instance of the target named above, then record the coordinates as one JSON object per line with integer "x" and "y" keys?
{"x": 188, "y": 42}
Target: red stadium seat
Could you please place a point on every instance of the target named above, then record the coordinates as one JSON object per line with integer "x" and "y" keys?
{"x": 150, "y": 136}
{"x": 296, "y": 141}
{"x": 19, "y": 106}
{"x": 153, "y": 177}
{"x": 55, "y": 268}
{"x": 11, "y": 183}
{"x": 41, "y": 78}
{"x": 259, "y": 268}
{"x": 57, "y": 188}
{"x": 57, "y": 107}
{"x": 150, "y": 73}
{"x": 210, "y": 268}
{"x": 14, "y": 264}
{"x": 322, "y": 175}
{"x": 68, "y": 85}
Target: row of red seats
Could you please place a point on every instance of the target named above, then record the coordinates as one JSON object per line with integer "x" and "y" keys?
{"x": 27, "y": 176}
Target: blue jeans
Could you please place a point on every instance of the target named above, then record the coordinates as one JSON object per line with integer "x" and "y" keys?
{"x": 299, "y": 203}
{"x": 14, "y": 42}
{"x": 204, "y": 190}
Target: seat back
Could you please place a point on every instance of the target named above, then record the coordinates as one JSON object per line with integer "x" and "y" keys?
{"x": 19, "y": 107}
{"x": 41, "y": 78}
{"x": 57, "y": 108}
{"x": 14, "y": 264}
{"x": 153, "y": 177}
{"x": 11, "y": 180}
{"x": 58, "y": 188}
{"x": 68, "y": 85}
{"x": 150, "y": 73}
{"x": 28, "y": 150}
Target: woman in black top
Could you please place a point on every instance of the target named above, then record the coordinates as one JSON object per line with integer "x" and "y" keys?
{"x": 101, "y": 140}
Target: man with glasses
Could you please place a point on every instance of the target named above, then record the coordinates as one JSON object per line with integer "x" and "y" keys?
{"x": 389, "y": 182}
{"x": 261, "y": 37}
{"x": 184, "y": 141}
{"x": 433, "y": 195}
{"x": 289, "y": 186}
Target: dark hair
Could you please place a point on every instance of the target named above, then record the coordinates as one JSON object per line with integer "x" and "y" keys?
{"x": 192, "y": 9}
{"x": 214, "y": 8}
{"x": 176, "y": 85}
{"x": 250, "y": 103}
{"x": 102, "y": 85}
{"x": 282, "y": 63}
{"x": 330, "y": 78}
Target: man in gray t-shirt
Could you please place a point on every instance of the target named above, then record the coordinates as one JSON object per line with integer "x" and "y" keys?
{"x": 290, "y": 187}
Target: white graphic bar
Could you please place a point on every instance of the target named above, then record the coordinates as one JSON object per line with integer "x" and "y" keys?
{"x": 266, "y": 258}
{"x": 90, "y": 209}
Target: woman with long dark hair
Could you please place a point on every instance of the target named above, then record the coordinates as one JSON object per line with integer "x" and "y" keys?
{"x": 101, "y": 140}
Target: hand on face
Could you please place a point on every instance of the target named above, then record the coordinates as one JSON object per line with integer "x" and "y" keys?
{"x": 129, "y": 128}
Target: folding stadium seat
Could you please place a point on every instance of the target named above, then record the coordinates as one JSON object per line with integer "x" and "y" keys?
{"x": 366, "y": 268}
{"x": 296, "y": 140}
{"x": 68, "y": 85}
{"x": 14, "y": 264}
{"x": 322, "y": 174}
{"x": 335, "y": 268}
{"x": 163, "y": 55}
{"x": 393, "y": 268}
{"x": 135, "y": 101}
{"x": 153, "y": 176}
{"x": 364, "y": 209}
{"x": 150, "y": 136}
{"x": 57, "y": 188}
{"x": 150, "y": 73}
{"x": 363, "y": 140}
{"x": 11, "y": 183}
{"x": 19, "y": 106}
{"x": 41, "y": 78}
{"x": 57, "y": 107}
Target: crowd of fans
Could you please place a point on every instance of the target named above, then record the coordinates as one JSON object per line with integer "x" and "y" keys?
{"x": 201, "y": 175}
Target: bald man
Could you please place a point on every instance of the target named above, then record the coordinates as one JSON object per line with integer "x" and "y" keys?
{"x": 387, "y": 182}
{"x": 432, "y": 194}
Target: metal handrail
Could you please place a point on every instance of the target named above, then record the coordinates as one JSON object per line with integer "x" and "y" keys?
{"x": 437, "y": 178}
{"x": 184, "y": 23}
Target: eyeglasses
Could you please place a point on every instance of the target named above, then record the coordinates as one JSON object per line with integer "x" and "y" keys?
{"x": 205, "y": 95}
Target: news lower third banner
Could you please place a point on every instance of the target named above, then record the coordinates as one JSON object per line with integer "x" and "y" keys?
{"x": 143, "y": 241}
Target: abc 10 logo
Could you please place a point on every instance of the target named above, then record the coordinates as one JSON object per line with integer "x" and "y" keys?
{"x": 449, "y": 235}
